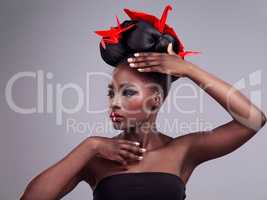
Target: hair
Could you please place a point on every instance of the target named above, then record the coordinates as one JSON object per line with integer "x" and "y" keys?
{"x": 142, "y": 37}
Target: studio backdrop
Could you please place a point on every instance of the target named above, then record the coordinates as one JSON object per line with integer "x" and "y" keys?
{"x": 53, "y": 86}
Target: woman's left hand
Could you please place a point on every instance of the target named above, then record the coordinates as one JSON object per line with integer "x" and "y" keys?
{"x": 167, "y": 63}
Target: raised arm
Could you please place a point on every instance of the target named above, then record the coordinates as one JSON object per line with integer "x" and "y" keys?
{"x": 247, "y": 119}
{"x": 206, "y": 145}
{"x": 59, "y": 179}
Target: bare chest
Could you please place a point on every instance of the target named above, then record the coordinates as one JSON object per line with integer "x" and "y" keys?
{"x": 163, "y": 159}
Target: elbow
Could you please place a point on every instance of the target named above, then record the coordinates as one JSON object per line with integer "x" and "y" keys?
{"x": 256, "y": 121}
{"x": 263, "y": 119}
{"x": 260, "y": 121}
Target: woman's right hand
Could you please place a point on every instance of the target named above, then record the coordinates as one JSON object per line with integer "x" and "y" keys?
{"x": 119, "y": 150}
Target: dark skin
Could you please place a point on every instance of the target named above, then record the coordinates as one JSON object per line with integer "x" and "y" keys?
{"x": 98, "y": 157}
{"x": 184, "y": 152}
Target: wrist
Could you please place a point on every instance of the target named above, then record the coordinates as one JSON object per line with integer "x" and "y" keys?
{"x": 189, "y": 70}
{"x": 93, "y": 143}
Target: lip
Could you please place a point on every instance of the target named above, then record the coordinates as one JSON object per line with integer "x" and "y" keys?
{"x": 115, "y": 117}
{"x": 114, "y": 114}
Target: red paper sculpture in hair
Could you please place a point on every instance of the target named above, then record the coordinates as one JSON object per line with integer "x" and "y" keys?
{"x": 113, "y": 35}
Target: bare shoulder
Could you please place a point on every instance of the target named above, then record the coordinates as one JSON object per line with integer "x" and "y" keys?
{"x": 185, "y": 139}
{"x": 182, "y": 143}
{"x": 165, "y": 138}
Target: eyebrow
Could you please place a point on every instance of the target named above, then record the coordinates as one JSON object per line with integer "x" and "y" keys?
{"x": 121, "y": 85}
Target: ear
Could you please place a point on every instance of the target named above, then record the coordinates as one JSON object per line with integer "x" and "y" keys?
{"x": 157, "y": 99}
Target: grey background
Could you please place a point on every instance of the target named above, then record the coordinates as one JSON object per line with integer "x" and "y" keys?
{"x": 57, "y": 37}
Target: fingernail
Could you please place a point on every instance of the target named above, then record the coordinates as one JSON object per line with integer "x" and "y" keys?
{"x": 136, "y": 54}
{"x": 140, "y": 70}
{"x": 131, "y": 64}
{"x": 137, "y": 143}
{"x": 130, "y": 60}
{"x": 140, "y": 157}
{"x": 143, "y": 149}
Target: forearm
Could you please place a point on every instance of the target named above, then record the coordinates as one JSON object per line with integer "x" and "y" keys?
{"x": 238, "y": 106}
{"x": 50, "y": 183}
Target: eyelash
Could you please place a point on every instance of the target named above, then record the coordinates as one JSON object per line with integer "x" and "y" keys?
{"x": 124, "y": 92}
{"x": 132, "y": 92}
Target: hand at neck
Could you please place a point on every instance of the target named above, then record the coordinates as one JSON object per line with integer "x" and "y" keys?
{"x": 146, "y": 133}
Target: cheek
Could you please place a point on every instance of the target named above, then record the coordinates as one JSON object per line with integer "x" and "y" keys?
{"x": 133, "y": 105}
{"x": 136, "y": 107}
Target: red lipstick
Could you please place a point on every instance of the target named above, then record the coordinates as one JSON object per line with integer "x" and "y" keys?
{"x": 115, "y": 116}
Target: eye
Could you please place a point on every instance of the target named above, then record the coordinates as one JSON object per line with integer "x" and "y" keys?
{"x": 129, "y": 92}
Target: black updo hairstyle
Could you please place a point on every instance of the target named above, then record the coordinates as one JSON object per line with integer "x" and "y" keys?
{"x": 142, "y": 37}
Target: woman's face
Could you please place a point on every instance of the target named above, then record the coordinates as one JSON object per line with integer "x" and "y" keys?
{"x": 130, "y": 96}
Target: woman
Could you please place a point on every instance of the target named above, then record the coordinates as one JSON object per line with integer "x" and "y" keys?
{"x": 141, "y": 162}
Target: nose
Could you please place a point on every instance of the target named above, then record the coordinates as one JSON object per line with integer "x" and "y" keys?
{"x": 115, "y": 102}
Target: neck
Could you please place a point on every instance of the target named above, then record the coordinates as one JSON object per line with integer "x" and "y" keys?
{"x": 144, "y": 133}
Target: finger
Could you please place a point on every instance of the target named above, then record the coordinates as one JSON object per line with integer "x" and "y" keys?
{"x": 133, "y": 149}
{"x": 139, "y": 54}
{"x": 170, "y": 49}
{"x": 127, "y": 154}
{"x": 150, "y": 69}
{"x": 143, "y": 58}
{"x": 144, "y": 64}
{"x": 121, "y": 160}
{"x": 123, "y": 141}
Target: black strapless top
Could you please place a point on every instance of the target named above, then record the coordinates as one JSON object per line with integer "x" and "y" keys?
{"x": 140, "y": 186}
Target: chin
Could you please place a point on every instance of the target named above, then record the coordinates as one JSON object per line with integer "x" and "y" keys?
{"x": 118, "y": 125}
{"x": 124, "y": 125}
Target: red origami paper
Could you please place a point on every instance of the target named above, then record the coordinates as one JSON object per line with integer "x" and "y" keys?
{"x": 160, "y": 24}
{"x": 114, "y": 34}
